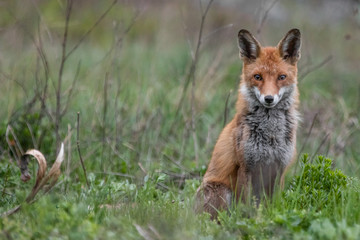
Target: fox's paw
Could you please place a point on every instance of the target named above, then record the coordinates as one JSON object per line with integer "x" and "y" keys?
{"x": 212, "y": 197}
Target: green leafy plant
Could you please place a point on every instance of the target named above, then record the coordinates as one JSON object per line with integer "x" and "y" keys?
{"x": 318, "y": 186}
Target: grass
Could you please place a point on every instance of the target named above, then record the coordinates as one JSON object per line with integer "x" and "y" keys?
{"x": 118, "y": 209}
{"x": 143, "y": 174}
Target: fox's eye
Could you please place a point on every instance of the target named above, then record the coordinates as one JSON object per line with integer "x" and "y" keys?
{"x": 258, "y": 77}
{"x": 282, "y": 77}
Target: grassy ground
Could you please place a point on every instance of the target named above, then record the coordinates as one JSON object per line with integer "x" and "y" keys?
{"x": 144, "y": 157}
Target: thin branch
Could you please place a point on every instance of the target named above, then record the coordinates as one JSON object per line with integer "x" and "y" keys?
{"x": 78, "y": 148}
{"x": 45, "y": 62}
{"x": 315, "y": 67}
{"x": 129, "y": 27}
{"x": 176, "y": 163}
{"x": 186, "y": 33}
{"x": 42, "y": 55}
{"x": 118, "y": 42}
{"x": 61, "y": 70}
{"x": 306, "y": 140}
{"x": 191, "y": 73}
{"x": 90, "y": 29}
{"x": 67, "y": 171}
{"x": 320, "y": 145}
{"x": 87, "y": 156}
{"x": 264, "y": 17}
{"x": 10, "y": 144}
{"x": 16, "y": 139}
{"x": 142, "y": 168}
{"x": 71, "y": 89}
{"x": 11, "y": 211}
{"x": 216, "y": 31}
{"x": 32, "y": 135}
{"x": 105, "y": 108}
{"x": 226, "y": 110}
{"x": 116, "y": 132}
{"x": 117, "y": 174}
{"x": 308, "y": 134}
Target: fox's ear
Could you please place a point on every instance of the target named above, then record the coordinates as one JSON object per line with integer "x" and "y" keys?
{"x": 289, "y": 46}
{"x": 248, "y": 45}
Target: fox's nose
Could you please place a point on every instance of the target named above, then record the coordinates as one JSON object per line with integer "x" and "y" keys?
{"x": 269, "y": 99}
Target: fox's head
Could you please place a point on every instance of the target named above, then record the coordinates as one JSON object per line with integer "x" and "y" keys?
{"x": 269, "y": 73}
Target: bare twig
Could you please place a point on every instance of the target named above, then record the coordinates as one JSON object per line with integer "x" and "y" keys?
{"x": 216, "y": 31}
{"x": 44, "y": 60}
{"x": 18, "y": 145}
{"x": 191, "y": 73}
{"x": 305, "y": 142}
{"x": 308, "y": 134}
{"x": 11, "y": 211}
{"x": 315, "y": 67}
{"x": 91, "y": 29}
{"x": 78, "y": 148}
{"x": 117, "y": 174}
{"x": 58, "y": 114}
{"x": 143, "y": 232}
{"x": 186, "y": 33}
{"x": 87, "y": 156}
{"x": 118, "y": 41}
{"x": 42, "y": 55}
{"x": 191, "y": 78}
{"x": 264, "y": 16}
{"x": 32, "y": 135}
{"x": 105, "y": 107}
{"x": 67, "y": 171}
{"x": 11, "y": 144}
{"x": 116, "y": 132}
{"x": 226, "y": 110}
{"x": 176, "y": 163}
{"x": 320, "y": 145}
{"x": 128, "y": 28}
{"x": 142, "y": 168}
{"x": 69, "y": 95}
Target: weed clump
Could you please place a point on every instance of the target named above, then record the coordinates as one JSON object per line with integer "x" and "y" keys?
{"x": 318, "y": 187}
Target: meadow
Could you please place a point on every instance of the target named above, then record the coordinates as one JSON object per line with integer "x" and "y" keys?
{"x": 143, "y": 89}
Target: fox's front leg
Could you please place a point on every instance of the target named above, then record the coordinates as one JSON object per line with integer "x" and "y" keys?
{"x": 242, "y": 182}
{"x": 218, "y": 186}
{"x": 212, "y": 197}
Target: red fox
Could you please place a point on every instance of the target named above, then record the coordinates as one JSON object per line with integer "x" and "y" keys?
{"x": 254, "y": 149}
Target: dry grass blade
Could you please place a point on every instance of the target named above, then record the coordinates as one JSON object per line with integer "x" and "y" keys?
{"x": 55, "y": 169}
{"x": 9, "y": 142}
{"x": 53, "y": 173}
{"x": 143, "y": 232}
{"x": 18, "y": 152}
{"x": 41, "y": 178}
{"x": 25, "y": 176}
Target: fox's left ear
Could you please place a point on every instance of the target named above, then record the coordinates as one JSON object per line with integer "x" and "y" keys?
{"x": 289, "y": 46}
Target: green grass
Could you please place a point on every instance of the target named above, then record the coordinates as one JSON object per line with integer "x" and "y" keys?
{"x": 140, "y": 137}
{"x": 118, "y": 209}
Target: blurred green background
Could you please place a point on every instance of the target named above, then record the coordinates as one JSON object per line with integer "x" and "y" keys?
{"x": 129, "y": 69}
{"x": 133, "y": 66}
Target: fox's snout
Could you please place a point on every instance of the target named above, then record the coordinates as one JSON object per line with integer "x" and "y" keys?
{"x": 268, "y": 100}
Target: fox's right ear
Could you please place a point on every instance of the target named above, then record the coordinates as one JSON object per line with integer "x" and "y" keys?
{"x": 289, "y": 46}
{"x": 248, "y": 45}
